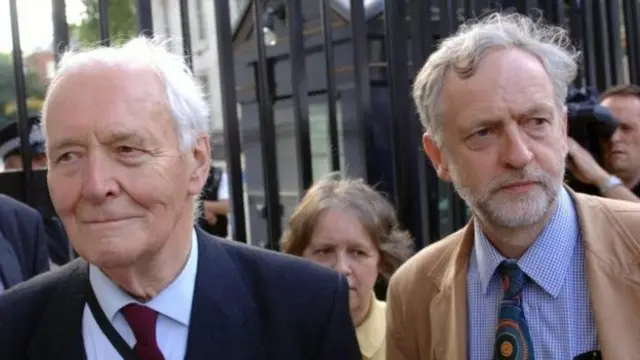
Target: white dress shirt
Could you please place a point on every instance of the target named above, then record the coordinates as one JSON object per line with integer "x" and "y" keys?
{"x": 173, "y": 305}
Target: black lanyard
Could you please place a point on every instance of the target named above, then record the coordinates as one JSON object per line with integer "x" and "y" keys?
{"x": 589, "y": 355}
{"x": 107, "y": 328}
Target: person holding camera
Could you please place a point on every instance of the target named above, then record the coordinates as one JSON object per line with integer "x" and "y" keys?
{"x": 621, "y": 178}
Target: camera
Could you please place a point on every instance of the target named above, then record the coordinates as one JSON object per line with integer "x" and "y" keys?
{"x": 591, "y": 125}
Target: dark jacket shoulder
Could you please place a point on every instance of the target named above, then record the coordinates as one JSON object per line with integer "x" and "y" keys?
{"x": 23, "y": 306}
{"x": 23, "y": 227}
{"x": 13, "y": 210}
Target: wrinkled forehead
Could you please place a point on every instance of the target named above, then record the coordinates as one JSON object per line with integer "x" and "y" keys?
{"x": 505, "y": 83}
{"x": 104, "y": 95}
{"x": 626, "y": 108}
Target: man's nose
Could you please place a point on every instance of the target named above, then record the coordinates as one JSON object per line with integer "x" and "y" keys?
{"x": 617, "y": 136}
{"x": 98, "y": 182}
{"x": 515, "y": 149}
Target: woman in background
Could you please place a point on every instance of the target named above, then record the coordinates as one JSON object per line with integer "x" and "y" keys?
{"x": 349, "y": 227}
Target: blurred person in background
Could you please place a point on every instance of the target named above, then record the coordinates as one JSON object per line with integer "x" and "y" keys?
{"x": 347, "y": 226}
{"x": 11, "y": 155}
{"x": 619, "y": 178}
{"x": 10, "y": 148}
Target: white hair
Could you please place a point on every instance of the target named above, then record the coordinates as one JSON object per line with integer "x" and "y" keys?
{"x": 185, "y": 97}
{"x": 462, "y": 52}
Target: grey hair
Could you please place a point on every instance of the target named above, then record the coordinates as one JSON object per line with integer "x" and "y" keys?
{"x": 463, "y": 51}
{"x": 185, "y": 97}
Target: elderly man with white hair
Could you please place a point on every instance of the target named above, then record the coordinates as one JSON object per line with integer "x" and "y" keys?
{"x": 127, "y": 132}
{"x": 540, "y": 272}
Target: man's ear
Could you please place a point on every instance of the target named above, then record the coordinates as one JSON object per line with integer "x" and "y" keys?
{"x": 438, "y": 159}
{"x": 201, "y": 154}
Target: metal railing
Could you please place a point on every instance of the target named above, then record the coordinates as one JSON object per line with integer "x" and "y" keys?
{"x": 385, "y": 51}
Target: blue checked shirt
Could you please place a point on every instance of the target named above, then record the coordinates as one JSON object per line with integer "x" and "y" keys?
{"x": 555, "y": 301}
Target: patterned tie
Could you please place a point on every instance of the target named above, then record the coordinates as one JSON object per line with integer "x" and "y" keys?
{"x": 142, "y": 321}
{"x": 513, "y": 340}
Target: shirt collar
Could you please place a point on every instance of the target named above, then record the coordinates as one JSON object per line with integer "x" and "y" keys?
{"x": 371, "y": 333}
{"x": 173, "y": 302}
{"x": 547, "y": 260}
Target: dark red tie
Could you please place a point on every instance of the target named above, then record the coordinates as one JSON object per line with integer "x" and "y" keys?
{"x": 142, "y": 321}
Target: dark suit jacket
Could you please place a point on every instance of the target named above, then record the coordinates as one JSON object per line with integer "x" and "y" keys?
{"x": 23, "y": 242}
{"x": 248, "y": 304}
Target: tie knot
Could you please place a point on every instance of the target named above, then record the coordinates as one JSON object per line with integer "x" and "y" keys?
{"x": 142, "y": 321}
{"x": 513, "y": 279}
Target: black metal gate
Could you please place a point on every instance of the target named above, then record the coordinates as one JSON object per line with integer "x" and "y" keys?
{"x": 343, "y": 68}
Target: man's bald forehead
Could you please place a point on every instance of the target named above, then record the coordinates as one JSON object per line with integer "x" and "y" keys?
{"x": 141, "y": 83}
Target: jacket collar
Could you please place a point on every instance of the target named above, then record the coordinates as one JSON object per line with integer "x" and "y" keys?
{"x": 224, "y": 318}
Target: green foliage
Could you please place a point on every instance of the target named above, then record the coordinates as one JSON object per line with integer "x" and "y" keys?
{"x": 122, "y": 22}
{"x": 35, "y": 89}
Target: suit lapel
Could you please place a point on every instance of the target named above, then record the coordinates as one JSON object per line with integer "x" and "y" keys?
{"x": 449, "y": 307}
{"x": 59, "y": 333}
{"x": 10, "y": 270}
{"x": 224, "y": 320}
{"x": 612, "y": 257}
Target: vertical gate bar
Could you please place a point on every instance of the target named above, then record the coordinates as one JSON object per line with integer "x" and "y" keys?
{"x": 526, "y": 6}
{"x": 21, "y": 105}
{"x": 300, "y": 94}
{"x": 588, "y": 40}
{"x": 635, "y": 8}
{"x": 421, "y": 46}
{"x": 362, "y": 81}
{"x": 575, "y": 32}
{"x": 186, "y": 32}
{"x": 327, "y": 34}
{"x": 470, "y": 10}
{"x": 145, "y": 20}
{"x": 267, "y": 135}
{"x": 555, "y": 12}
{"x": 395, "y": 28}
{"x": 103, "y": 19}
{"x": 60, "y": 27}
{"x": 446, "y": 20}
{"x": 229, "y": 111}
{"x": 632, "y": 39}
{"x": 421, "y": 33}
{"x": 615, "y": 46}
{"x": 602, "y": 56}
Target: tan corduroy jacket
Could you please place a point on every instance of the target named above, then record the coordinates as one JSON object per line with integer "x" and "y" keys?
{"x": 427, "y": 296}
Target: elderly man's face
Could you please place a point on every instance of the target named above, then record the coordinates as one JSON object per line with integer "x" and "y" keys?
{"x": 117, "y": 177}
{"x": 504, "y": 139}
